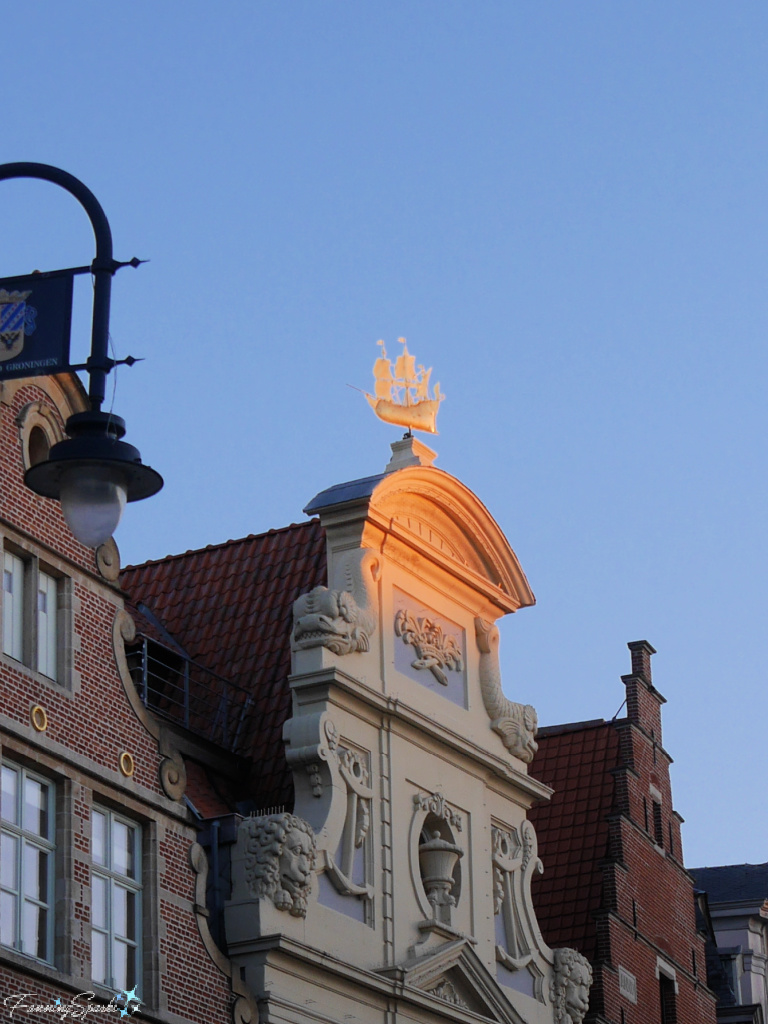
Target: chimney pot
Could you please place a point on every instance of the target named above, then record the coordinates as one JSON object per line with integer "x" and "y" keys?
{"x": 641, "y": 652}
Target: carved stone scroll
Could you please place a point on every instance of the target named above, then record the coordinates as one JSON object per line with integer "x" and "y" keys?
{"x": 355, "y": 774}
{"x": 515, "y": 723}
{"x": 172, "y": 772}
{"x": 515, "y": 861}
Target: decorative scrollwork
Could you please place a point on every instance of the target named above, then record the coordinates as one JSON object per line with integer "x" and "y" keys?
{"x": 435, "y": 803}
{"x": 444, "y": 990}
{"x": 517, "y": 724}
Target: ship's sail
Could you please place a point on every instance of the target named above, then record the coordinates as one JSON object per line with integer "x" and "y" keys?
{"x": 405, "y": 367}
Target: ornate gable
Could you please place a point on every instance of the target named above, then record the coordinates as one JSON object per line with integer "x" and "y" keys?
{"x": 456, "y": 976}
{"x": 427, "y": 512}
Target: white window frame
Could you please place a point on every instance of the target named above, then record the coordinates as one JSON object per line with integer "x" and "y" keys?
{"x": 116, "y": 882}
{"x": 34, "y": 618}
{"x": 14, "y": 882}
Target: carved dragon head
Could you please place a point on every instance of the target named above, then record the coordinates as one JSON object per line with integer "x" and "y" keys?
{"x": 332, "y": 619}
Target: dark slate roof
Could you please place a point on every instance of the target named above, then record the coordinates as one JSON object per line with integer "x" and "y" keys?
{"x": 229, "y": 606}
{"x": 340, "y": 494}
{"x": 576, "y": 761}
{"x": 733, "y": 883}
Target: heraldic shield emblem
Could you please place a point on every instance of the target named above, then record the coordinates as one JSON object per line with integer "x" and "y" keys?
{"x": 17, "y": 319}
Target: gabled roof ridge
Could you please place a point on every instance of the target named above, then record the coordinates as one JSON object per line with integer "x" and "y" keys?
{"x": 728, "y": 867}
{"x": 559, "y": 730}
{"x": 222, "y": 544}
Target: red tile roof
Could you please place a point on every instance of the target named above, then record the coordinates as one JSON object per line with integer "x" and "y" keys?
{"x": 211, "y": 796}
{"x": 229, "y": 606}
{"x": 576, "y": 761}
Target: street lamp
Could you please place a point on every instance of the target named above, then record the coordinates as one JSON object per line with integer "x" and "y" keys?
{"x": 93, "y": 472}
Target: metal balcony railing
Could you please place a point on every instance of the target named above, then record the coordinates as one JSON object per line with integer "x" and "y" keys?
{"x": 184, "y": 692}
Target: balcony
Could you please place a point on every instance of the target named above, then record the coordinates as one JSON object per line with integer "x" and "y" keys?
{"x": 189, "y": 695}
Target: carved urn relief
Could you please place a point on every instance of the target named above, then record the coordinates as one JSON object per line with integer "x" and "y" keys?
{"x": 436, "y": 857}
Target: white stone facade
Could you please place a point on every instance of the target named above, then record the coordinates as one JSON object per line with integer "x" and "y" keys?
{"x": 399, "y": 887}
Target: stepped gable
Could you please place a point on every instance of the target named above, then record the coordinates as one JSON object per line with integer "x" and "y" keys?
{"x": 576, "y": 761}
{"x": 229, "y": 607}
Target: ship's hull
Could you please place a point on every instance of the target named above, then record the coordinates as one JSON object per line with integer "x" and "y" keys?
{"x": 419, "y": 416}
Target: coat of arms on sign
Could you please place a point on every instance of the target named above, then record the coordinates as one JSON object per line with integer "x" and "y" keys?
{"x": 17, "y": 319}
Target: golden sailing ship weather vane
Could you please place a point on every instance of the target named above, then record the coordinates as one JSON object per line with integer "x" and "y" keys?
{"x": 401, "y": 392}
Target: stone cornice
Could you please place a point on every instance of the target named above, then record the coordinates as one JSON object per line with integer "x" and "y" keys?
{"x": 413, "y": 720}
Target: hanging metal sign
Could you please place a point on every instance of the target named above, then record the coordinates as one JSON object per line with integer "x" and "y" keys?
{"x": 35, "y": 324}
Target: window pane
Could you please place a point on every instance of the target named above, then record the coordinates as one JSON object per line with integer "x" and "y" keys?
{"x": 9, "y": 809}
{"x": 119, "y": 910}
{"x": 99, "y": 958}
{"x": 35, "y": 807}
{"x": 123, "y": 842}
{"x": 98, "y": 901}
{"x": 98, "y": 838}
{"x": 46, "y": 625}
{"x": 9, "y": 854}
{"x": 34, "y": 931}
{"x": 8, "y": 910}
{"x": 35, "y": 873}
{"x": 124, "y": 912}
{"x": 13, "y": 605}
{"x": 121, "y": 965}
{"x": 131, "y": 913}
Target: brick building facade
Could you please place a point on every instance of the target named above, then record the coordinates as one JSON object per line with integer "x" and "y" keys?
{"x": 614, "y": 877}
{"x": 97, "y": 887}
{"x": 174, "y": 716}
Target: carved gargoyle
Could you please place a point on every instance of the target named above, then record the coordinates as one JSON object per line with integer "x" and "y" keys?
{"x": 515, "y": 723}
{"x": 341, "y": 617}
{"x": 570, "y": 986}
{"x": 332, "y": 619}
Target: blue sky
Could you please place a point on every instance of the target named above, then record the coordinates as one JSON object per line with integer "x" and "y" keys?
{"x": 561, "y": 206}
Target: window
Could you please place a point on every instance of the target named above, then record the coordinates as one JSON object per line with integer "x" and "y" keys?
{"x": 115, "y": 900}
{"x": 26, "y": 863}
{"x": 667, "y": 999}
{"x": 658, "y": 825}
{"x": 667, "y": 992}
{"x": 31, "y": 633}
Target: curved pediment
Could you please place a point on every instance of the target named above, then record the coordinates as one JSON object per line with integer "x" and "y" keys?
{"x": 436, "y": 515}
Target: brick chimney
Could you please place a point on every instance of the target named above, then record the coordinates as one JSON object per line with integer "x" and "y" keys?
{"x": 643, "y": 699}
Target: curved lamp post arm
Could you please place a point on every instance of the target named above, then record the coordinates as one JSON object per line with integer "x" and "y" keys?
{"x": 103, "y": 266}
{"x": 93, "y": 472}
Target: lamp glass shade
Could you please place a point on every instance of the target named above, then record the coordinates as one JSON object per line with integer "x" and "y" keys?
{"x": 92, "y": 500}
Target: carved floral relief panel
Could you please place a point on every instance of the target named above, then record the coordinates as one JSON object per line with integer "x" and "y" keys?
{"x": 429, "y": 648}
